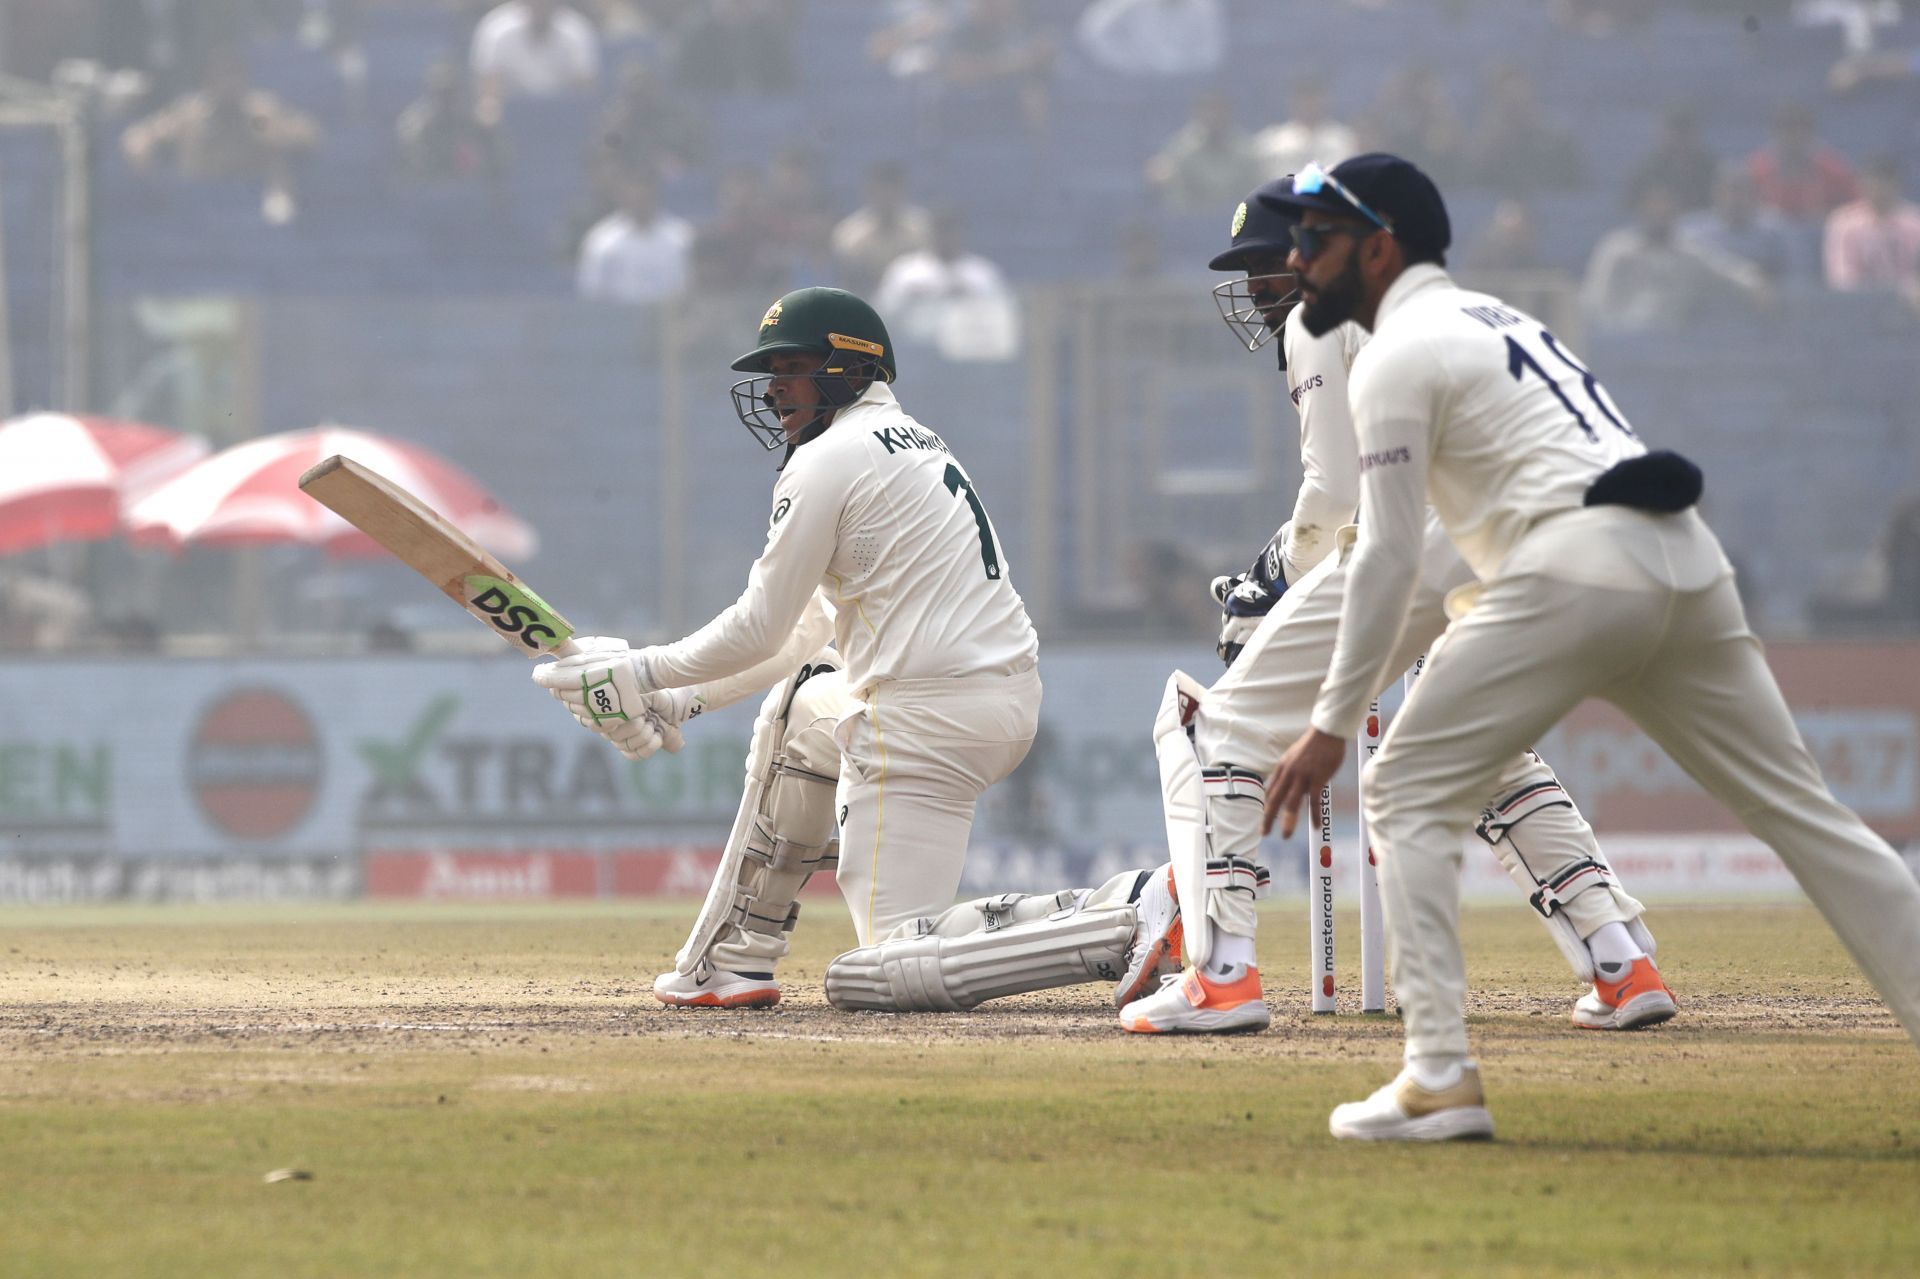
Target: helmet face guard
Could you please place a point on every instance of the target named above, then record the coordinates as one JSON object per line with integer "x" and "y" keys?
{"x": 851, "y": 365}
{"x": 1240, "y": 302}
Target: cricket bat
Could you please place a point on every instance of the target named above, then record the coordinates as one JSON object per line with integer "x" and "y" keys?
{"x": 426, "y": 543}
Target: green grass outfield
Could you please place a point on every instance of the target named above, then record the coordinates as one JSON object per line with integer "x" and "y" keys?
{"x": 491, "y": 1091}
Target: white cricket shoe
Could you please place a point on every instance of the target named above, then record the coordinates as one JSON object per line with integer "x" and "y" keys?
{"x": 1640, "y": 998}
{"x": 716, "y": 988}
{"x": 1154, "y": 952}
{"x": 1405, "y": 1111}
{"x": 1194, "y": 1004}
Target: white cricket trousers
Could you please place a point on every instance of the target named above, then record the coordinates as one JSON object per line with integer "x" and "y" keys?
{"x": 1641, "y": 610}
{"x": 1264, "y": 701}
{"x": 915, "y": 756}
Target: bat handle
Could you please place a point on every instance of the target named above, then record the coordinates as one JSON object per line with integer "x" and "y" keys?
{"x": 565, "y": 648}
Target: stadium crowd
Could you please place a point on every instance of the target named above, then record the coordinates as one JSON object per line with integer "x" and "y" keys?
{"x": 940, "y": 155}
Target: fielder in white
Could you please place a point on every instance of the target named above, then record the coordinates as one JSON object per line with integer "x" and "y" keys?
{"x": 904, "y": 683}
{"x": 1595, "y": 577}
{"x": 1218, "y": 746}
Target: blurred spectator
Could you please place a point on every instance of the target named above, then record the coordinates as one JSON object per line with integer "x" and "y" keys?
{"x": 647, "y": 127}
{"x": 1511, "y": 241}
{"x": 1210, "y": 163}
{"x": 1856, "y": 19}
{"x": 1515, "y": 146}
{"x": 1857, "y": 70}
{"x": 637, "y": 253}
{"x": 950, "y": 297}
{"x": 334, "y": 28}
{"x": 1310, "y": 135}
{"x": 227, "y": 129}
{"x": 629, "y": 21}
{"x": 1642, "y": 278}
{"x": 439, "y": 135}
{"x": 1739, "y": 226}
{"x": 736, "y": 47}
{"x": 1154, "y": 37}
{"x": 1886, "y": 593}
{"x": 882, "y": 229}
{"x": 40, "y": 612}
{"x": 1874, "y": 243}
{"x": 1798, "y": 174}
{"x": 532, "y": 49}
{"x": 734, "y": 252}
{"x": 1680, "y": 159}
{"x": 799, "y": 223}
{"x": 908, "y": 43}
{"x": 997, "y": 44}
{"x": 1413, "y": 117}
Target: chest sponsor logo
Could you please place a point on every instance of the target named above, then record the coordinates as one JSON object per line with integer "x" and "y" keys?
{"x": 1385, "y": 457}
{"x": 1306, "y": 386}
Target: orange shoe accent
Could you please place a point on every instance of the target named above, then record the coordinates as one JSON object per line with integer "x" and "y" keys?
{"x": 751, "y": 999}
{"x": 1202, "y": 993}
{"x": 1642, "y": 978}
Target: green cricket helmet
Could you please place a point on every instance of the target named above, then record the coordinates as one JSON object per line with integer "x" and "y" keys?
{"x": 817, "y": 321}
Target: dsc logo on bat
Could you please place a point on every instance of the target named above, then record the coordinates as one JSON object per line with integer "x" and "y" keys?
{"x": 514, "y": 609}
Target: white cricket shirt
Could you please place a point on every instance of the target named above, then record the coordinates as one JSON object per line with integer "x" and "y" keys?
{"x": 1470, "y": 404}
{"x": 877, "y": 516}
{"x": 1329, "y": 459}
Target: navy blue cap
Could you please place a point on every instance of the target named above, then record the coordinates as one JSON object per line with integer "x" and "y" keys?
{"x": 1394, "y": 188}
{"x": 1259, "y": 227}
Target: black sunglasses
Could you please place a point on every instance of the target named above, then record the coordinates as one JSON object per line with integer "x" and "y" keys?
{"x": 1311, "y": 241}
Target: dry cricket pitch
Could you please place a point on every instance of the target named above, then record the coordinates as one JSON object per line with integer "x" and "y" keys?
{"x": 480, "y": 1091}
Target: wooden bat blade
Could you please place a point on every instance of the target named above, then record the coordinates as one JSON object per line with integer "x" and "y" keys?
{"x": 422, "y": 539}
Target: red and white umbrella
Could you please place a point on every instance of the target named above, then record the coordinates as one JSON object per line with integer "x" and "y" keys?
{"x": 249, "y": 495}
{"x": 65, "y": 478}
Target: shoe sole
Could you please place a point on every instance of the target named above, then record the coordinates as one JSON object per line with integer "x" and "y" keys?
{"x": 750, "y": 999}
{"x": 1638, "y": 1013}
{"x": 1459, "y": 1123}
{"x": 1211, "y": 1023}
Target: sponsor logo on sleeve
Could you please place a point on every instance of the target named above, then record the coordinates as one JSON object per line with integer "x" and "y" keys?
{"x": 781, "y": 508}
{"x": 1385, "y": 457}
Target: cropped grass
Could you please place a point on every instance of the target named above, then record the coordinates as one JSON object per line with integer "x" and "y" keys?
{"x": 491, "y": 1092}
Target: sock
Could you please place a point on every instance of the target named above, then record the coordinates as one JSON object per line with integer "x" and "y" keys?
{"x": 1435, "y": 1073}
{"x": 1232, "y": 955}
{"x": 1614, "y": 950}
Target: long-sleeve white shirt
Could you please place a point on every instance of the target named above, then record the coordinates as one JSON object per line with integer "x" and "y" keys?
{"x": 1329, "y": 460}
{"x": 876, "y": 517}
{"x": 1464, "y": 401}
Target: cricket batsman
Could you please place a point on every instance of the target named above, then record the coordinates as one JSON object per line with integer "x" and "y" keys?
{"x": 905, "y": 682}
{"x": 1218, "y": 746}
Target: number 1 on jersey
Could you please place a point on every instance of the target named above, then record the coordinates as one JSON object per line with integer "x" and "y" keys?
{"x": 957, "y": 484}
{"x": 1519, "y": 360}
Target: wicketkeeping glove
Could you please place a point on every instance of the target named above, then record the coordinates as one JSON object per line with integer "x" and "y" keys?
{"x": 1246, "y": 598}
